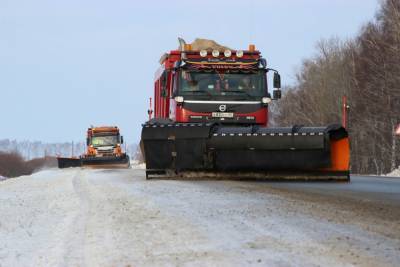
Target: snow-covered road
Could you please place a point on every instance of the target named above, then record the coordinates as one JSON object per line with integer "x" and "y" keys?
{"x": 77, "y": 217}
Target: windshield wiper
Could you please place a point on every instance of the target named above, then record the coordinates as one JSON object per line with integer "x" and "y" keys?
{"x": 200, "y": 91}
{"x": 239, "y": 91}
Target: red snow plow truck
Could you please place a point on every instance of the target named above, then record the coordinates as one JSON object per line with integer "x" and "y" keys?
{"x": 211, "y": 121}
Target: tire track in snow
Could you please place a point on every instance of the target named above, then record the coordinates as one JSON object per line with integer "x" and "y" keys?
{"x": 76, "y": 237}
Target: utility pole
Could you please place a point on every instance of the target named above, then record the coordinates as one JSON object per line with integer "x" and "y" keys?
{"x": 395, "y": 135}
{"x": 150, "y": 111}
{"x": 397, "y": 131}
{"x": 345, "y": 107}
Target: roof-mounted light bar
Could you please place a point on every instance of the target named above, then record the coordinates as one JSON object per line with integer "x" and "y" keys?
{"x": 227, "y": 52}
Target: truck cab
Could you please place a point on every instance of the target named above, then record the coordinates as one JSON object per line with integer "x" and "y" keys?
{"x": 104, "y": 142}
{"x": 228, "y": 87}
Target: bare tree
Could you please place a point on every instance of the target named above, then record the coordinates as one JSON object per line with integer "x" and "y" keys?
{"x": 367, "y": 70}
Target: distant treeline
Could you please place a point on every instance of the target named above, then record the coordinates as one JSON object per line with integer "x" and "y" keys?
{"x": 36, "y": 149}
{"x": 367, "y": 71}
{"x": 13, "y": 165}
{"x": 25, "y": 158}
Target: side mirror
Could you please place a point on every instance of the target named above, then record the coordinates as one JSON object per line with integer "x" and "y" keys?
{"x": 263, "y": 62}
{"x": 277, "y": 80}
{"x": 87, "y": 141}
{"x": 277, "y": 94}
{"x": 122, "y": 139}
{"x": 177, "y": 64}
{"x": 173, "y": 94}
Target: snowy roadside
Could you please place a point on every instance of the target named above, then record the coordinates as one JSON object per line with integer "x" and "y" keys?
{"x": 82, "y": 217}
{"x": 395, "y": 173}
{"x": 135, "y": 164}
{"x": 36, "y": 213}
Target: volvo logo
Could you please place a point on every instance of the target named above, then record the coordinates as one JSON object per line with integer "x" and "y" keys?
{"x": 222, "y": 108}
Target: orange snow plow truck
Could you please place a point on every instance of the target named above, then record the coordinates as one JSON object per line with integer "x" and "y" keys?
{"x": 103, "y": 150}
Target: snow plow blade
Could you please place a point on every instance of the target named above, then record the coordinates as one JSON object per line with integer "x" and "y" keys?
{"x": 69, "y": 162}
{"x": 121, "y": 162}
{"x": 211, "y": 151}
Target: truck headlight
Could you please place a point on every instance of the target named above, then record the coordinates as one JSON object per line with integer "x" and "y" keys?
{"x": 179, "y": 99}
{"x": 266, "y": 100}
{"x": 227, "y": 53}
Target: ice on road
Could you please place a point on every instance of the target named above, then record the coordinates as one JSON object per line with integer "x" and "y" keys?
{"x": 77, "y": 217}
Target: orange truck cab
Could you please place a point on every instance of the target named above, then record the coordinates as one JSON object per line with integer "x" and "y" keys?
{"x": 104, "y": 141}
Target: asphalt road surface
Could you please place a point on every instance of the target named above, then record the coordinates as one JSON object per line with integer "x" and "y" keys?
{"x": 78, "y": 217}
{"x": 376, "y": 189}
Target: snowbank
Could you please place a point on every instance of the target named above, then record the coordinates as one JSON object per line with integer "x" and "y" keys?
{"x": 395, "y": 173}
{"x": 135, "y": 164}
{"x": 3, "y": 178}
{"x": 95, "y": 217}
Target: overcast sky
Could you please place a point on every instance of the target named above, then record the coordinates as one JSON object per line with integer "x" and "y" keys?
{"x": 65, "y": 65}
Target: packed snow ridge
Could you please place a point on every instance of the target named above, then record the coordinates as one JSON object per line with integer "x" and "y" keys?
{"x": 395, "y": 173}
{"x": 84, "y": 217}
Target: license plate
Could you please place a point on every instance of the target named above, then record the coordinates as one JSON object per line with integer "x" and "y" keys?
{"x": 222, "y": 114}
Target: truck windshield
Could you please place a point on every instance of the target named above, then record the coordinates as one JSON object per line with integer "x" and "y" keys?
{"x": 227, "y": 83}
{"x": 110, "y": 140}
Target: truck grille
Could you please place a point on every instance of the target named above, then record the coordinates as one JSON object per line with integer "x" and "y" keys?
{"x": 106, "y": 152}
